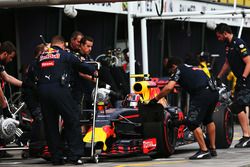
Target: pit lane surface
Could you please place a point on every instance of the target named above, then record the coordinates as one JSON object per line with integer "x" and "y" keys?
{"x": 226, "y": 158}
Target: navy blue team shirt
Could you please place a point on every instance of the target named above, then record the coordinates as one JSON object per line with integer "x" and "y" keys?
{"x": 55, "y": 62}
{"x": 235, "y": 52}
{"x": 190, "y": 78}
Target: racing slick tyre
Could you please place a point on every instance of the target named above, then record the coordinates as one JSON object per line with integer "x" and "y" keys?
{"x": 223, "y": 119}
{"x": 157, "y": 124}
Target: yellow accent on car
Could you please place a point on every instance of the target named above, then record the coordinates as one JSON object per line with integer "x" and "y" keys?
{"x": 100, "y": 136}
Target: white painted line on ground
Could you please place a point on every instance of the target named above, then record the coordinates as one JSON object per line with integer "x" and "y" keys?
{"x": 10, "y": 163}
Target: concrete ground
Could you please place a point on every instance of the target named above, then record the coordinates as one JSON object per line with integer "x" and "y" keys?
{"x": 226, "y": 158}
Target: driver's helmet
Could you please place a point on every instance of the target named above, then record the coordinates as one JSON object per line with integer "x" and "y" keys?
{"x": 132, "y": 100}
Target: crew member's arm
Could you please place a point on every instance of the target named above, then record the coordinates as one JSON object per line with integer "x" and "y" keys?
{"x": 167, "y": 88}
{"x": 224, "y": 69}
{"x": 87, "y": 77}
{"x": 10, "y": 79}
{"x": 80, "y": 66}
{"x": 2, "y": 99}
{"x": 247, "y": 67}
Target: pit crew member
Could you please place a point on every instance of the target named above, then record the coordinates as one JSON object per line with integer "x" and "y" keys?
{"x": 238, "y": 59}
{"x": 54, "y": 67}
{"x": 196, "y": 83}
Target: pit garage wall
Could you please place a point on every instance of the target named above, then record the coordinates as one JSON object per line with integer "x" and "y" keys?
{"x": 100, "y": 26}
{"x": 179, "y": 39}
{"x": 7, "y": 32}
{"x": 23, "y": 26}
{"x": 32, "y": 22}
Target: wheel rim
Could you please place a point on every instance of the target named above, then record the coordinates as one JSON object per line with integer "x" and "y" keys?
{"x": 228, "y": 124}
{"x": 169, "y": 134}
{"x": 172, "y": 134}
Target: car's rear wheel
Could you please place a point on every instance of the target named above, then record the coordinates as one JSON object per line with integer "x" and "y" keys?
{"x": 223, "y": 119}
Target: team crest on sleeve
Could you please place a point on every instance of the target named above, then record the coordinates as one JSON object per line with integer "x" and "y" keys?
{"x": 78, "y": 57}
{"x": 243, "y": 50}
{"x": 241, "y": 46}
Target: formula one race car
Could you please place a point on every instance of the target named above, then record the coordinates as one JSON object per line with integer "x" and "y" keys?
{"x": 140, "y": 128}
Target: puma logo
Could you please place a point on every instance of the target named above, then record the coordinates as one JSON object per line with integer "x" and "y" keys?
{"x": 47, "y": 76}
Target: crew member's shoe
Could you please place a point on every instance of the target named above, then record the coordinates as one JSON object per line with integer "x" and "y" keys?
{"x": 243, "y": 142}
{"x": 76, "y": 162}
{"x": 213, "y": 152}
{"x": 201, "y": 155}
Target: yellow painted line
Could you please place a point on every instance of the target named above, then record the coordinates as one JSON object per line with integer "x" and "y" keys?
{"x": 150, "y": 163}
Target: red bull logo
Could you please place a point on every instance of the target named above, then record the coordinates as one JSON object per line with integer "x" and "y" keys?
{"x": 149, "y": 145}
{"x": 181, "y": 128}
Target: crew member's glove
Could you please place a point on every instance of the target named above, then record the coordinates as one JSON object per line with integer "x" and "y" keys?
{"x": 26, "y": 84}
{"x": 242, "y": 82}
{"x": 153, "y": 101}
{"x": 218, "y": 81}
{"x": 95, "y": 75}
